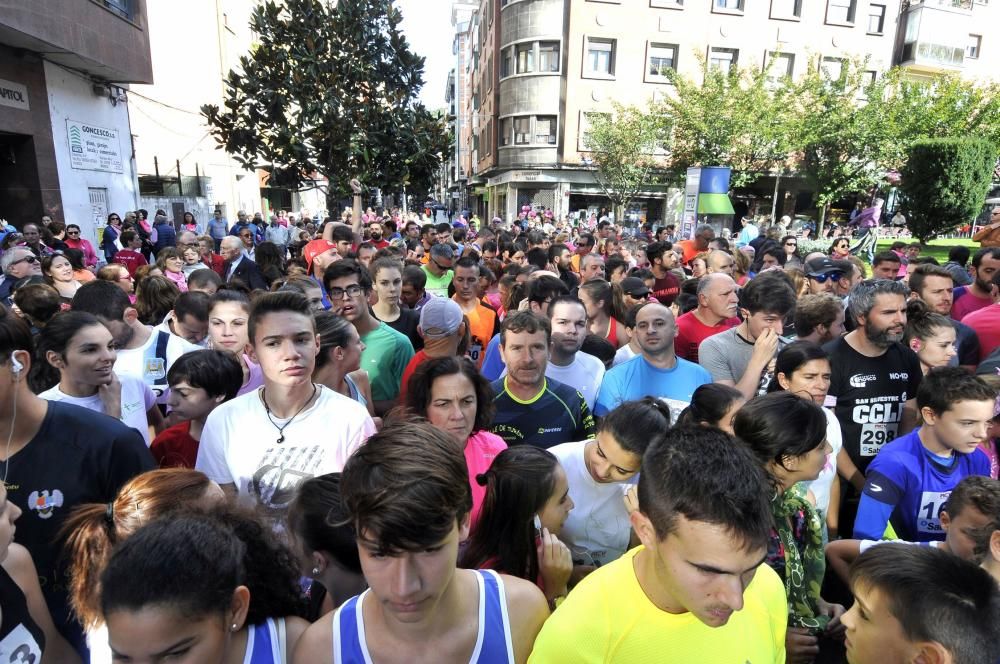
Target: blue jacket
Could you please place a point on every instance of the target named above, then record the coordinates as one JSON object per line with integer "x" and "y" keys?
{"x": 166, "y": 236}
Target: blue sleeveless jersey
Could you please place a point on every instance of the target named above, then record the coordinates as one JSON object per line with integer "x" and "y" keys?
{"x": 493, "y": 644}
{"x": 265, "y": 643}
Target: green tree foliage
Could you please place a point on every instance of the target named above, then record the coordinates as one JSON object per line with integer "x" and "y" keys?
{"x": 742, "y": 119}
{"x": 844, "y": 144}
{"x": 945, "y": 181}
{"x": 623, "y": 148}
{"x": 330, "y": 90}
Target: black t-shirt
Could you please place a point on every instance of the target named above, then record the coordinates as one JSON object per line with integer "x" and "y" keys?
{"x": 21, "y": 639}
{"x": 407, "y": 324}
{"x": 78, "y": 456}
{"x": 870, "y": 393}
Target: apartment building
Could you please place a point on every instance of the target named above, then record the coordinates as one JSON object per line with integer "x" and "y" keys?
{"x": 555, "y": 62}
{"x": 459, "y": 110}
{"x": 65, "y": 139}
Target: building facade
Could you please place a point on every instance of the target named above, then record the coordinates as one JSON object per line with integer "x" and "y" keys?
{"x": 65, "y": 136}
{"x": 557, "y": 62}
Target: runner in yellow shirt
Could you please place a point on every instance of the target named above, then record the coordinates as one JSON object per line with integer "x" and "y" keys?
{"x": 697, "y": 589}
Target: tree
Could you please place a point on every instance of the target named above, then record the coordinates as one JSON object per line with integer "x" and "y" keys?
{"x": 330, "y": 90}
{"x": 742, "y": 119}
{"x": 622, "y": 150}
{"x": 845, "y": 144}
{"x": 945, "y": 181}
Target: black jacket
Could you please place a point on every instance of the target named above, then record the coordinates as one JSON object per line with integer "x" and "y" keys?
{"x": 248, "y": 273}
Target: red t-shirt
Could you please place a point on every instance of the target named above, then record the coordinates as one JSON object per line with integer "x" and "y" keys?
{"x": 665, "y": 290}
{"x": 986, "y": 323}
{"x": 691, "y": 332}
{"x": 174, "y": 447}
{"x": 965, "y": 303}
{"x": 418, "y": 358}
{"x": 132, "y": 260}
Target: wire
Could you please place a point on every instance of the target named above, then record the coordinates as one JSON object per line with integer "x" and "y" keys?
{"x": 10, "y": 436}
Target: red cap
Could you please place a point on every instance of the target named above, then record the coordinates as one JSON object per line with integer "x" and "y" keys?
{"x": 313, "y": 249}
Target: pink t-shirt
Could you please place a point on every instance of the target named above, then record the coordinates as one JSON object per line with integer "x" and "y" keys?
{"x": 986, "y": 323}
{"x": 480, "y": 450}
{"x": 965, "y": 303}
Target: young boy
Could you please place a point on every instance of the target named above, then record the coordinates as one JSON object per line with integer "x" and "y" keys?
{"x": 909, "y": 481}
{"x": 407, "y": 493}
{"x": 921, "y": 604}
{"x": 199, "y": 381}
{"x": 969, "y": 509}
{"x": 697, "y": 590}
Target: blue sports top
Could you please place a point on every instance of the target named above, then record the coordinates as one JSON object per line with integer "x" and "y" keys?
{"x": 266, "y": 643}
{"x": 493, "y": 644}
{"x": 909, "y": 487}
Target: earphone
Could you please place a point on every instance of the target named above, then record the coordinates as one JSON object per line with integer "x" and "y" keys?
{"x": 15, "y": 366}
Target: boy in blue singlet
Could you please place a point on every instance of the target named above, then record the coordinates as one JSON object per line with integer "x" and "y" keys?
{"x": 911, "y": 478}
{"x": 407, "y": 495}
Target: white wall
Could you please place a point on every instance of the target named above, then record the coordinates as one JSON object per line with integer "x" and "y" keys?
{"x": 71, "y": 98}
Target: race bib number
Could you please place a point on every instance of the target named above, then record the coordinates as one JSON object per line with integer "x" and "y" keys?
{"x": 876, "y": 434}
{"x": 932, "y": 503}
{"x": 20, "y": 647}
{"x": 475, "y": 352}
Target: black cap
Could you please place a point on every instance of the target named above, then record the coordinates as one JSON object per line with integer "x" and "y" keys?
{"x": 634, "y": 286}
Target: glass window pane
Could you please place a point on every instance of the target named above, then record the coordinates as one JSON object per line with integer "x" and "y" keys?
{"x": 522, "y": 131}
{"x": 525, "y": 58}
{"x": 661, "y": 58}
{"x": 545, "y": 130}
{"x": 548, "y": 56}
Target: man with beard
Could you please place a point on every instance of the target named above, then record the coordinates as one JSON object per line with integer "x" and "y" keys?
{"x": 662, "y": 260}
{"x": 657, "y": 371}
{"x": 985, "y": 263}
{"x": 561, "y": 258}
{"x": 531, "y": 409}
{"x": 874, "y": 381}
{"x": 568, "y": 318}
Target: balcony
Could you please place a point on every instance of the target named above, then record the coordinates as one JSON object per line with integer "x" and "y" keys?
{"x": 935, "y": 35}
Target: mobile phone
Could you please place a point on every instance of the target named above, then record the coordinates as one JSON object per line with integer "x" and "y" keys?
{"x": 538, "y": 526}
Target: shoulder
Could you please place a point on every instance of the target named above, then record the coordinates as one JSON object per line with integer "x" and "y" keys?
{"x": 19, "y": 566}
{"x": 563, "y": 391}
{"x": 687, "y": 366}
{"x": 527, "y": 609}
{"x": 329, "y": 399}
{"x": 487, "y": 441}
{"x": 768, "y": 588}
{"x": 295, "y": 627}
{"x": 316, "y": 642}
{"x": 590, "y": 363}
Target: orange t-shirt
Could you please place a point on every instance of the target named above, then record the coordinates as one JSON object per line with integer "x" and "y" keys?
{"x": 689, "y": 249}
{"x": 483, "y": 324}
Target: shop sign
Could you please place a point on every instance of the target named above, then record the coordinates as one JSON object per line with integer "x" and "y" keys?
{"x": 13, "y": 95}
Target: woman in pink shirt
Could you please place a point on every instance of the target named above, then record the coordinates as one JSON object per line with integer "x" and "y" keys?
{"x": 453, "y": 396}
{"x": 74, "y": 241}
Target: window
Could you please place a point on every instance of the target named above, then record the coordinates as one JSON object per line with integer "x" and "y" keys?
{"x": 728, "y": 5}
{"x": 507, "y": 62}
{"x": 600, "y": 60}
{"x": 876, "y": 19}
{"x": 667, "y": 4}
{"x": 868, "y": 77}
{"x": 548, "y": 57}
{"x": 779, "y": 66}
{"x": 841, "y": 11}
{"x": 505, "y": 131}
{"x": 786, "y": 9}
{"x": 525, "y": 58}
{"x": 121, "y": 7}
{"x": 832, "y": 68}
{"x": 723, "y": 59}
{"x": 975, "y": 44}
{"x": 522, "y": 131}
{"x": 662, "y": 57}
{"x": 545, "y": 130}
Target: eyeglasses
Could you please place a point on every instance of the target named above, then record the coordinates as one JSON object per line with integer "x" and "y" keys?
{"x": 791, "y": 244}
{"x": 31, "y": 260}
{"x": 823, "y": 278}
{"x": 339, "y": 293}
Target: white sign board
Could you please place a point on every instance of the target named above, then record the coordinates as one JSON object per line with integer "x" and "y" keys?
{"x": 690, "y": 218}
{"x": 93, "y": 148}
{"x": 14, "y": 95}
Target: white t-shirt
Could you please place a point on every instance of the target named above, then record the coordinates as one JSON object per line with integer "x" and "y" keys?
{"x": 623, "y": 354}
{"x": 239, "y": 445}
{"x": 585, "y": 373}
{"x": 144, "y": 364}
{"x": 597, "y": 530}
{"x": 137, "y": 399}
{"x": 820, "y": 486}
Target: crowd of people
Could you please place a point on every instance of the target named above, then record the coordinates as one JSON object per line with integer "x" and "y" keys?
{"x": 381, "y": 439}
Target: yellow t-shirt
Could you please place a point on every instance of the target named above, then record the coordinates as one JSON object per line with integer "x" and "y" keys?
{"x": 608, "y": 618}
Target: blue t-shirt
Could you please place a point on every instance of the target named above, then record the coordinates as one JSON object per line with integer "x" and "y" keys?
{"x": 637, "y": 378}
{"x": 908, "y": 486}
{"x": 493, "y": 366}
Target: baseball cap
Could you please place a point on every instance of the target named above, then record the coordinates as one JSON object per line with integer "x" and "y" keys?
{"x": 440, "y": 318}
{"x": 634, "y": 286}
{"x": 313, "y": 249}
{"x": 824, "y": 265}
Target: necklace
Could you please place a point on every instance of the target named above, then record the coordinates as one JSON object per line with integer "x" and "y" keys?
{"x": 281, "y": 428}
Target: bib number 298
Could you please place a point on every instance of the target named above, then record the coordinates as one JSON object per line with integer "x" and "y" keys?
{"x": 874, "y": 435}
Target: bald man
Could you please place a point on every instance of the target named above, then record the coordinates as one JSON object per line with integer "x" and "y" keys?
{"x": 657, "y": 371}
{"x": 720, "y": 262}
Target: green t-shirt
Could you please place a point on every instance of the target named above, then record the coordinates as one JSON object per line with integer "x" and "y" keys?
{"x": 386, "y": 354}
{"x": 438, "y": 286}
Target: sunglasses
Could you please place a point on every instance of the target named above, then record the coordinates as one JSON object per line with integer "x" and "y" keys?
{"x": 31, "y": 260}
{"x": 72, "y": 232}
{"x": 823, "y": 278}
{"x": 791, "y": 244}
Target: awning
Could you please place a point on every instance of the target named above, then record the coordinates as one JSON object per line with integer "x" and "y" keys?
{"x": 715, "y": 204}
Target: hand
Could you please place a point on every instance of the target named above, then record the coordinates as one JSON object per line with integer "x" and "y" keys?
{"x": 631, "y": 499}
{"x": 111, "y": 397}
{"x": 801, "y": 647}
{"x": 834, "y": 628}
{"x": 555, "y": 564}
{"x": 356, "y": 186}
{"x": 764, "y": 347}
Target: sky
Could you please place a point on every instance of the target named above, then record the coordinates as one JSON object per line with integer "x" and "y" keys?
{"x": 427, "y": 26}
